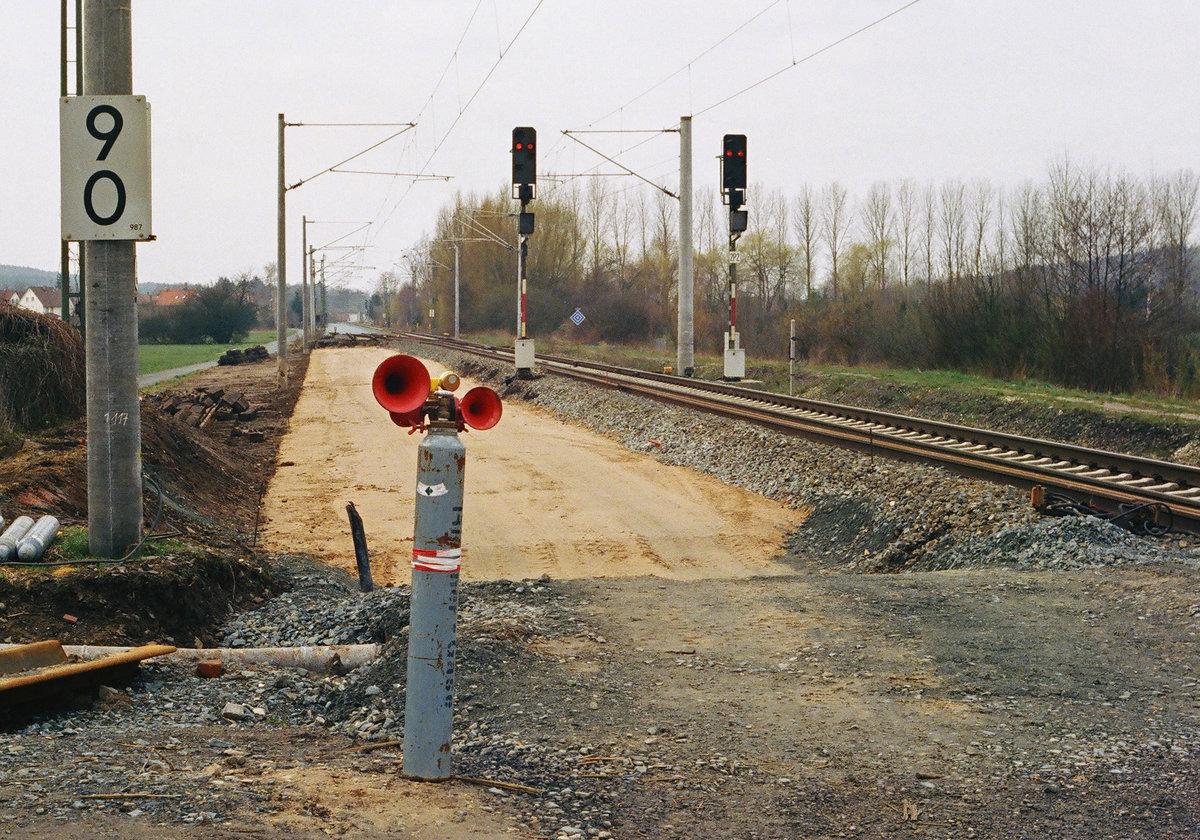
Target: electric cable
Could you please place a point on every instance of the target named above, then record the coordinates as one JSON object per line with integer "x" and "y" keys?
{"x": 809, "y": 57}
{"x": 462, "y": 110}
{"x": 1145, "y": 518}
{"x": 668, "y": 78}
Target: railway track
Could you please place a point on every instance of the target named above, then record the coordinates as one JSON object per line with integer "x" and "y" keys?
{"x": 1155, "y": 495}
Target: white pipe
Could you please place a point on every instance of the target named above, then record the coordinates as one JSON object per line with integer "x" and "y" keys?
{"x": 10, "y": 538}
{"x": 321, "y": 659}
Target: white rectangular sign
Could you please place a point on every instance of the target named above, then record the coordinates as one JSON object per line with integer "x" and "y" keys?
{"x": 105, "y": 154}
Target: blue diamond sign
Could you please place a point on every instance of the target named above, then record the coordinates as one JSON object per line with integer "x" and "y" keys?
{"x": 577, "y": 317}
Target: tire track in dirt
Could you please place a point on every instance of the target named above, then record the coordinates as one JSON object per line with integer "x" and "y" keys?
{"x": 542, "y": 497}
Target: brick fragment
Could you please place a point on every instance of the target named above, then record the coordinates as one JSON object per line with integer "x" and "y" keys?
{"x": 209, "y": 668}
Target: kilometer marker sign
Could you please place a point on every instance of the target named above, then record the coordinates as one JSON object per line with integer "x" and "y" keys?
{"x": 105, "y": 164}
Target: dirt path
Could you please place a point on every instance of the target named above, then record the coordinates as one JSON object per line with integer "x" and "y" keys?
{"x": 541, "y": 497}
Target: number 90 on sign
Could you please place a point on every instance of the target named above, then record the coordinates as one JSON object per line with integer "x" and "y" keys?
{"x": 105, "y": 154}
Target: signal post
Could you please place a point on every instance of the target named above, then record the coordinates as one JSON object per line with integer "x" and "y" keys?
{"x": 524, "y": 185}
{"x": 733, "y": 193}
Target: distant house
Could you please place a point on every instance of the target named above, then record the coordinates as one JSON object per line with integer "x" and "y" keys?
{"x": 10, "y": 296}
{"x": 45, "y": 300}
{"x": 174, "y": 297}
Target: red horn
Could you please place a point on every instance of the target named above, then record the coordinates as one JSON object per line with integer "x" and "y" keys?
{"x": 481, "y": 408}
{"x": 410, "y": 420}
{"x": 401, "y": 384}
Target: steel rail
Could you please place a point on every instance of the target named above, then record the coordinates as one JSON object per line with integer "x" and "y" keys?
{"x": 1106, "y": 480}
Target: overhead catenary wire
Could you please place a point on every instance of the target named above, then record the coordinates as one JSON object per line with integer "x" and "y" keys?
{"x": 798, "y": 61}
{"x": 347, "y": 125}
{"x": 462, "y": 110}
{"x": 687, "y": 66}
{"x": 451, "y": 61}
{"x": 344, "y": 236}
{"x": 430, "y": 177}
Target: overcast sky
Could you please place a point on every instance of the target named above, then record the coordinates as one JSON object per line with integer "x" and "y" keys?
{"x": 989, "y": 89}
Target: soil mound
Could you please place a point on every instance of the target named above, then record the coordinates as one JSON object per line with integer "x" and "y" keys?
{"x": 201, "y": 481}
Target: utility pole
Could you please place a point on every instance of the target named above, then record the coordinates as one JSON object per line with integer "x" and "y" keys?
{"x": 64, "y": 261}
{"x": 304, "y": 334}
{"x": 306, "y": 302}
{"x": 685, "y": 342}
{"x": 114, "y": 426}
{"x": 281, "y": 269}
{"x": 312, "y": 305}
{"x": 456, "y": 290}
{"x": 324, "y": 297}
{"x": 64, "y": 90}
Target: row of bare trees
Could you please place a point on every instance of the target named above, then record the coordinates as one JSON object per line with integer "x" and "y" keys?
{"x": 1088, "y": 277}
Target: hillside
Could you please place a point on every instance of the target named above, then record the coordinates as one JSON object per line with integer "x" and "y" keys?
{"x": 20, "y": 277}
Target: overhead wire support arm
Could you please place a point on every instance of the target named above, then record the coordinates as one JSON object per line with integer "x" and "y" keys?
{"x": 615, "y": 162}
{"x": 621, "y": 131}
{"x": 416, "y": 176}
{"x": 353, "y": 125}
{"x": 372, "y": 147}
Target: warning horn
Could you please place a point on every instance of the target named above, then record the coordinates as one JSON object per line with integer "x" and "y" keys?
{"x": 401, "y": 384}
{"x": 480, "y": 408}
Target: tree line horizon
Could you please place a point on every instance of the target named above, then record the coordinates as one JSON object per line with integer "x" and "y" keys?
{"x": 1086, "y": 278}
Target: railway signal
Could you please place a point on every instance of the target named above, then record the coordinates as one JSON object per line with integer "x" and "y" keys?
{"x": 733, "y": 193}
{"x": 733, "y": 169}
{"x": 524, "y": 160}
{"x": 524, "y": 187}
{"x": 403, "y": 386}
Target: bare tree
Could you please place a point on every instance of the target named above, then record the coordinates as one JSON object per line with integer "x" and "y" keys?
{"x": 1176, "y": 205}
{"x": 928, "y": 229}
{"x": 833, "y": 229}
{"x": 596, "y": 210}
{"x": 805, "y": 220}
{"x": 621, "y": 229}
{"x": 906, "y": 227}
{"x": 952, "y": 218}
{"x": 983, "y": 198}
{"x": 769, "y": 257}
{"x": 876, "y": 213}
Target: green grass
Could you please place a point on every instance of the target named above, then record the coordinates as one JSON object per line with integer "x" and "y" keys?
{"x": 155, "y": 357}
{"x": 71, "y": 545}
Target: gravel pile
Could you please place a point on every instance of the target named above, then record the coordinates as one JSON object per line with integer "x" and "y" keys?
{"x": 1069, "y": 543}
{"x": 320, "y": 611}
{"x": 868, "y": 514}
